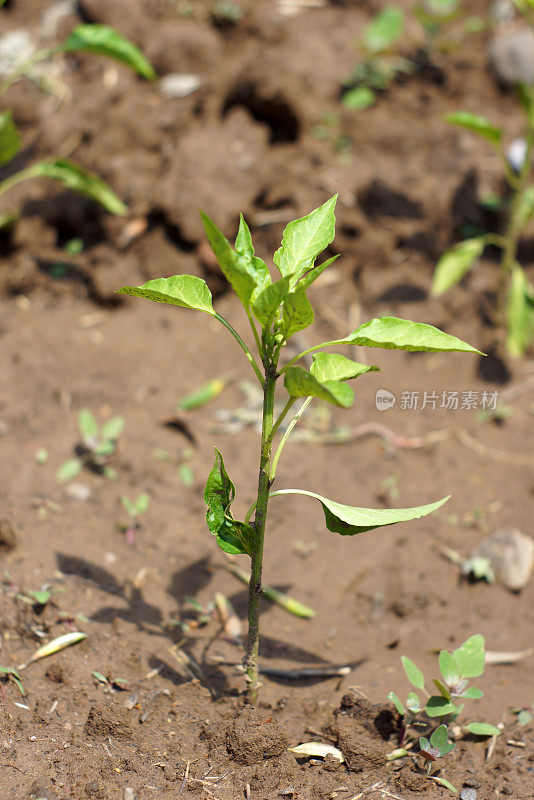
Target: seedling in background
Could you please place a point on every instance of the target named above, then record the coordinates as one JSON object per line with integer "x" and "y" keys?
{"x": 282, "y": 309}
{"x": 97, "y": 449}
{"x": 456, "y": 668}
{"x": 515, "y": 294}
{"x": 6, "y": 673}
{"x": 204, "y": 394}
{"x": 100, "y": 39}
{"x": 40, "y": 598}
{"x": 134, "y": 510}
{"x": 524, "y": 715}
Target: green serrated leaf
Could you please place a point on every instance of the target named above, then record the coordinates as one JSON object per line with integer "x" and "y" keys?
{"x": 106, "y": 41}
{"x": 482, "y": 729}
{"x": 402, "y": 334}
{"x": 384, "y": 30}
{"x": 306, "y": 281}
{"x": 269, "y": 300}
{"x": 519, "y": 313}
{"x": 113, "y": 428}
{"x": 186, "y": 291}
{"x": 297, "y": 313}
{"x": 334, "y": 367}
{"x": 87, "y": 425}
{"x": 439, "y": 707}
{"x": 10, "y": 138}
{"x": 397, "y": 703}
{"x": 349, "y": 520}
{"x": 477, "y": 124}
{"x": 232, "y": 536}
{"x": 413, "y": 673}
{"x": 456, "y": 263}
{"x": 304, "y": 239}
{"x": 79, "y": 180}
{"x": 449, "y": 669}
{"x": 69, "y": 470}
{"x": 301, "y": 383}
{"x": 469, "y": 657}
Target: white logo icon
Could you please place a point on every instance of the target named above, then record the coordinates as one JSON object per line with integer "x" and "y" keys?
{"x": 384, "y": 400}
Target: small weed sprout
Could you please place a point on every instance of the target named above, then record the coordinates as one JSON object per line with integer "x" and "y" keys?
{"x": 96, "y": 450}
{"x": 515, "y": 294}
{"x": 134, "y": 510}
{"x": 280, "y": 308}
{"x": 436, "y": 747}
{"x": 90, "y": 38}
{"x": 456, "y": 668}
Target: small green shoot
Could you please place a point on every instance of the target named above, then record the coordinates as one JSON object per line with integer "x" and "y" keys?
{"x": 276, "y": 309}
{"x": 97, "y": 448}
{"x": 134, "y": 509}
{"x": 12, "y": 675}
{"x": 204, "y": 394}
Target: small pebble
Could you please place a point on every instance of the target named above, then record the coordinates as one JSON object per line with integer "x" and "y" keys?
{"x": 468, "y": 794}
{"x": 179, "y": 85}
{"x": 512, "y": 56}
{"x": 79, "y": 491}
{"x": 511, "y": 555}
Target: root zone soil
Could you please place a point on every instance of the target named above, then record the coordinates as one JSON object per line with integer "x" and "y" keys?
{"x": 245, "y": 142}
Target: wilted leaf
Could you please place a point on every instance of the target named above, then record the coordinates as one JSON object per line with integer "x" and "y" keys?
{"x": 456, "y": 263}
{"x": 476, "y": 124}
{"x": 232, "y": 536}
{"x": 334, "y": 367}
{"x": 10, "y": 138}
{"x": 301, "y": 383}
{"x": 106, "y": 41}
{"x": 79, "y": 180}
{"x": 186, "y": 291}
{"x": 305, "y": 238}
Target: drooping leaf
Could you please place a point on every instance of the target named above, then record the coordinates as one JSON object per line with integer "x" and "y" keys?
{"x": 519, "y": 313}
{"x": 456, "y": 263}
{"x": 231, "y": 264}
{"x": 449, "y": 669}
{"x": 349, "y": 520}
{"x": 315, "y": 272}
{"x": 186, "y": 291}
{"x": 397, "y": 703}
{"x": 106, "y": 41}
{"x": 77, "y": 179}
{"x": 482, "y": 729}
{"x": 301, "y": 383}
{"x": 113, "y": 428}
{"x": 439, "y": 707}
{"x": 413, "y": 673}
{"x": 232, "y": 536}
{"x": 469, "y": 657}
{"x": 69, "y": 470}
{"x": 297, "y": 313}
{"x": 87, "y": 425}
{"x": 10, "y": 138}
{"x": 402, "y": 334}
{"x": 359, "y": 98}
{"x": 384, "y": 30}
{"x": 335, "y": 367}
{"x": 269, "y": 300}
{"x": 477, "y": 124}
{"x": 304, "y": 239}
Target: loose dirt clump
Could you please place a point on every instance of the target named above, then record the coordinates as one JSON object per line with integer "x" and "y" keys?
{"x": 254, "y": 737}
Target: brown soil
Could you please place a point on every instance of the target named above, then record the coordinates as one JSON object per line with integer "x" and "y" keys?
{"x": 245, "y": 142}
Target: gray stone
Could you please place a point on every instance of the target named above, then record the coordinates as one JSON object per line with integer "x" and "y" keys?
{"x": 512, "y": 56}
{"x": 511, "y": 555}
{"x": 179, "y": 85}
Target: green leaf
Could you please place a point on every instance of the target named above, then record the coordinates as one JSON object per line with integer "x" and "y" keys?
{"x": 232, "y": 536}
{"x": 297, "y": 313}
{"x": 255, "y": 267}
{"x": 413, "y": 673}
{"x": 401, "y": 334}
{"x": 482, "y": 729}
{"x": 520, "y": 313}
{"x": 526, "y": 209}
{"x": 106, "y": 41}
{"x": 311, "y": 276}
{"x": 301, "y": 383}
{"x": 243, "y": 241}
{"x": 10, "y": 138}
{"x": 456, "y": 263}
{"x": 79, "y": 180}
{"x": 439, "y": 737}
{"x": 384, "y": 30}
{"x": 142, "y": 503}
{"x": 469, "y": 657}
{"x": 476, "y": 124}
{"x": 472, "y": 693}
{"x": 449, "y": 669}
{"x": 334, "y": 367}
{"x": 359, "y": 98}
{"x": 128, "y": 506}
{"x": 349, "y": 520}
{"x": 524, "y": 717}
{"x": 305, "y": 238}
{"x": 105, "y": 449}
{"x": 87, "y": 425}
{"x": 424, "y": 744}
{"x": 186, "y": 291}
{"x": 113, "y": 428}
{"x": 413, "y": 703}
{"x": 439, "y": 707}
{"x": 444, "y": 692}
{"x": 69, "y": 470}
{"x": 269, "y": 300}
{"x": 231, "y": 264}
{"x": 204, "y": 394}
{"x": 397, "y": 703}
{"x": 444, "y": 782}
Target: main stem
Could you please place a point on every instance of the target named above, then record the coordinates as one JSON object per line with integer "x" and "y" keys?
{"x": 260, "y": 518}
